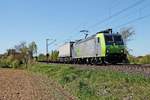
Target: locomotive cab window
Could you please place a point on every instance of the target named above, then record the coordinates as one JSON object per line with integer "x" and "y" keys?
{"x": 118, "y": 40}
{"x": 108, "y": 39}
{"x": 98, "y": 40}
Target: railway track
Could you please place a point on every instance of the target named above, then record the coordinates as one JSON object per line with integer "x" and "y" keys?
{"x": 143, "y": 69}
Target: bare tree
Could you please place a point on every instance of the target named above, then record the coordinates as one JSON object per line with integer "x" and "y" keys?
{"x": 32, "y": 49}
{"x": 127, "y": 34}
{"x": 20, "y": 46}
{"x": 24, "y": 51}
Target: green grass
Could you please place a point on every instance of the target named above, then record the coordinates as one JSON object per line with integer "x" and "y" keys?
{"x": 97, "y": 84}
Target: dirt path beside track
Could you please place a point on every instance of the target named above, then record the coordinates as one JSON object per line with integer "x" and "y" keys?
{"x": 21, "y": 85}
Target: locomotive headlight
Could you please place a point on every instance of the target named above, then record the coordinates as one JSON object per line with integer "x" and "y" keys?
{"x": 107, "y": 51}
{"x": 122, "y": 51}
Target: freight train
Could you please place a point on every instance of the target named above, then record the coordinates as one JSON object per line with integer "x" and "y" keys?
{"x": 102, "y": 47}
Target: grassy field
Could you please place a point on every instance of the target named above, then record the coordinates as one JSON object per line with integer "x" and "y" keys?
{"x": 97, "y": 84}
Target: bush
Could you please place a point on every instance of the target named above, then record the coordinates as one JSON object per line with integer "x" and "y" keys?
{"x": 4, "y": 63}
{"x": 9, "y": 62}
{"x": 15, "y": 63}
{"x": 145, "y": 59}
{"x": 139, "y": 60}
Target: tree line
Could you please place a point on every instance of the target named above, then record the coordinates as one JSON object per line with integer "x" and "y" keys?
{"x": 21, "y": 55}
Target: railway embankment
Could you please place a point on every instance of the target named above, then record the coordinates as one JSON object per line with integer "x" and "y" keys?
{"x": 97, "y": 83}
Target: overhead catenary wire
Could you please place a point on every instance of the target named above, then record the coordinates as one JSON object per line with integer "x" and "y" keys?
{"x": 79, "y": 27}
{"x": 64, "y": 40}
{"x": 118, "y": 13}
{"x": 139, "y": 2}
{"x": 76, "y": 28}
{"x": 84, "y": 28}
{"x": 113, "y": 5}
{"x": 110, "y": 17}
{"x": 132, "y": 21}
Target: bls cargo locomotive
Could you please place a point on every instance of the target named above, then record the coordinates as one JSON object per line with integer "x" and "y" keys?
{"x": 102, "y": 47}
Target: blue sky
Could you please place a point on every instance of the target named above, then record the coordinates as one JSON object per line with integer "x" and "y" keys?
{"x": 36, "y": 20}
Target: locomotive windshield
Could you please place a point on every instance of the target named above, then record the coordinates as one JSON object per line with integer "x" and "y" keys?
{"x": 118, "y": 40}
{"x": 111, "y": 39}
